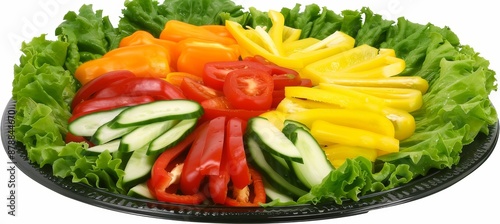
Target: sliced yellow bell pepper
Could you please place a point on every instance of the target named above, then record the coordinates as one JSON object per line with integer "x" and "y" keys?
{"x": 405, "y": 99}
{"x": 291, "y": 34}
{"x": 291, "y": 105}
{"x": 360, "y": 119}
{"x": 404, "y": 123}
{"x": 250, "y": 46}
{"x": 410, "y": 82}
{"x": 276, "y": 31}
{"x": 327, "y": 67}
{"x": 277, "y": 118}
{"x": 325, "y": 131}
{"x": 338, "y": 153}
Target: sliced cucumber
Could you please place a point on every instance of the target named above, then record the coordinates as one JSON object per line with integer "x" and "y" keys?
{"x": 144, "y": 135}
{"x": 107, "y": 133}
{"x": 172, "y": 136}
{"x": 138, "y": 167}
{"x": 316, "y": 166}
{"x": 272, "y": 139}
{"x": 157, "y": 111}
{"x": 140, "y": 191}
{"x": 274, "y": 178}
{"x": 88, "y": 124}
{"x": 274, "y": 194}
{"x": 290, "y": 125}
{"x": 110, "y": 146}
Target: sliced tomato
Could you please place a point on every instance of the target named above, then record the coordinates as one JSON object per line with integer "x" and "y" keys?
{"x": 282, "y": 76}
{"x": 214, "y": 73}
{"x": 198, "y": 92}
{"x": 220, "y": 106}
{"x": 234, "y": 153}
{"x": 175, "y": 78}
{"x": 99, "y": 83}
{"x": 249, "y": 89}
{"x": 157, "y": 88}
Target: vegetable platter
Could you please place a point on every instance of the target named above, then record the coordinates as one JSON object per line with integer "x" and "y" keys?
{"x": 350, "y": 199}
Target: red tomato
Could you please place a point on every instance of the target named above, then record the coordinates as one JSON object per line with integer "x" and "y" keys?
{"x": 214, "y": 73}
{"x": 249, "y": 89}
{"x": 157, "y": 88}
{"x": 282, "y": 76}
{"x": 220, "y": 106}
{"x": 99, "y": 83}
{"x": 234, "y": 153}
{"x": 198, "y": 92}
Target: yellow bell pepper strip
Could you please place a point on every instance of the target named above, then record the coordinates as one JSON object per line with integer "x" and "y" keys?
{"x": 176, "y": 31}
{"x": 291, "y": 47}
{"x": 393, "y": 66}
{"x": 404, "y": 123}
{"x": 291, "y": 105}
{"x": 277, "y": 118}
{"x": 410, "y": 82}
{"x": 325, "y": 131}
{"x": 410, "y": 102}
{"x": 254, "y": 48}
{"x": 142, "y": 38}
{"x": 195, "y": 53}
{"x": 338, "y": 153}
{"x": 276, "y": 30}
{"x": 150, "y": 60}
{"x": 361, "y": 119}
{"x": 327, "y": 67}
{"x": 406, "y": 99}
{"x": 331, "y": 45}
{"x": 291, "y": 34}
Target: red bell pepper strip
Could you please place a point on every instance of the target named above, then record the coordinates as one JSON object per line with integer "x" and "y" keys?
{"x": 99, "y": 83}
{"x": 159, "y": 89}
{"x": 220, "y": 106}
{"x": 102, "y": 104}
{"x": 218, "y": 184}
{"x": 234, "y": 152}
{"x": 212, "y": 153}
{"x": 74, "y": 138}
{"x": 160, "y": 183}
{"x": 191, "y": 177}
{"x": 257, "y": 192}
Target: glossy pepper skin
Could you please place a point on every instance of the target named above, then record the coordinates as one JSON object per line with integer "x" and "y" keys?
{"x": 149, "y": 60}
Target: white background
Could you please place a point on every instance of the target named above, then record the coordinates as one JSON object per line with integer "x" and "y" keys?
{"x": 473, "y": 199}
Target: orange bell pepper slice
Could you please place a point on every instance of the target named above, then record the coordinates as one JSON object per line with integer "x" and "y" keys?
{"x": 150, "y": 60}
{"x": 195, "y": 53}
{"x": 176, "y": 31}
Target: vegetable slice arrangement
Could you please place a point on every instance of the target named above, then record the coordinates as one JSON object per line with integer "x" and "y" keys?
{"x": 82, "y": 123}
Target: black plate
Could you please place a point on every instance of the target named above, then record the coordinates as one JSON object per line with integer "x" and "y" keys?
{"x": 472, "y": 157}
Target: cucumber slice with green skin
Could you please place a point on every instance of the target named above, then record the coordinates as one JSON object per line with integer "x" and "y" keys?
{"x": 172, "y": 136}
{"x": 161, "y": 110}
{"x": 107, "y": 133}
{"x": 274, "y": 178}
{"x": 316, "y": 165}
{"x": 144, "y": 135}
{"x": 140, "y": 191}
{"x": 289, "y": 127}
{"x": 274, "y": 194}
{"x": 110, "y": 146}
{"x": 138, "y": 167}
{"x": 88, "y": 124}
{"x": 270, "y": 138}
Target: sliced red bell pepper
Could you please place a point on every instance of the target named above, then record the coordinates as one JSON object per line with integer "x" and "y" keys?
{"x": 99, "y": 83}
{"x": 212, "y": 152}
{"x": 191, "y": 177}
{"x": 198, "y": 92}
{"x": 249, "y": 89}
{"x": 257, "y": 193}
{"x": 101, "y": 104}
{"x": 73, "y": 138}
{"x": 161, "y": 181}
{"x": 234, "y": 152}
{"x": 159, "y": 89}
{"x": 218, "y": 184}
{"x": 282, "y": 76}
